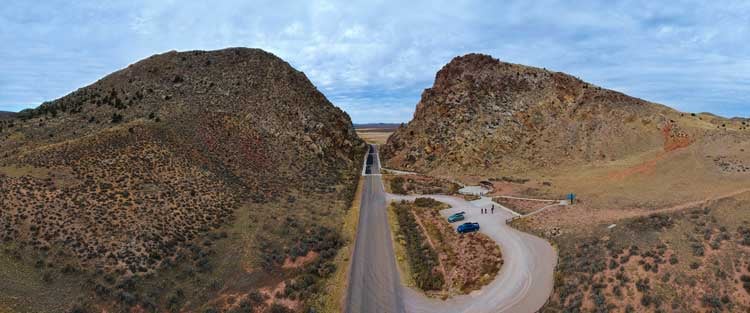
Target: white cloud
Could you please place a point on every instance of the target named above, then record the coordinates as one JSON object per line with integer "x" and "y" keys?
{"x": 293, "y": 30}
{"x": 375, "y": 58}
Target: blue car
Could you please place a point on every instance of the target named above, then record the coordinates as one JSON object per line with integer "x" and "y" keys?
{"x": 456, "y": 217}
{"x": 467, "y": 228}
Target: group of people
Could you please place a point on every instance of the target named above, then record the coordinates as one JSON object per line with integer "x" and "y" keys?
{"x": 484, "y": 210}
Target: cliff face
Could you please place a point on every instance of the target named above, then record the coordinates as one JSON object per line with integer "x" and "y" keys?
{"x": 485, "y": 115}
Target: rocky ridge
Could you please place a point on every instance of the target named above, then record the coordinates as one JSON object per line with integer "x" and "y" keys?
{"x": 483, "y": 114}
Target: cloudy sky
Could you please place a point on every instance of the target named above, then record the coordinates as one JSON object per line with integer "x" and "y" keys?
{"x": 374, "y": 58}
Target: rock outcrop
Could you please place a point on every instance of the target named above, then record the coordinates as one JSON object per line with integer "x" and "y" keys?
{"x": 486, "y": 116}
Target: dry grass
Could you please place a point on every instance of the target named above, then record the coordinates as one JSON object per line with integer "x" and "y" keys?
{"x": 5, "y": 309}
{"x": 691, "y": 261}
{"x": 336, "y": 285}
{"x": 374, "y": 135}
{"x": 683, "y": 177}
{"x": 151, "y": 210}
{"x": 20, "y": 282}
{"x": 399, "y": 250}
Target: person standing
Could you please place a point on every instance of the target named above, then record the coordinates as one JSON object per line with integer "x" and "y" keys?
{"x": 493, "y": 209}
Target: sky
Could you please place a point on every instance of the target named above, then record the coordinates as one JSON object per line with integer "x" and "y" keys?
{"x": 374, "y": 58}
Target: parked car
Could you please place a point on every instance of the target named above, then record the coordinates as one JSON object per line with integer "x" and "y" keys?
{"x": 467, "y": 228}
{"x": 456, "y": 217}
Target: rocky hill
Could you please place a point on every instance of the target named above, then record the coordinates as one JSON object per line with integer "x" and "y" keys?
{"x": 485, "y": 116}
{"x": 152, "y": 167}
{"x": 6, "y": 114}
{"x": 660, "y": 215}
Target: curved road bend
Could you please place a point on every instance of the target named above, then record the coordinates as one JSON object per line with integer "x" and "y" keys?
{"x": 374, "y": 284}
{"x": 523, "y": 284}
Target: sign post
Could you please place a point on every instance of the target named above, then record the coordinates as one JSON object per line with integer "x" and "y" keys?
{"x": 571, "y": 198}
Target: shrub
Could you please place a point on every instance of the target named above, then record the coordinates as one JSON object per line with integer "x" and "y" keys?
{"x": 127, "y": 298}
{"x": 652, "y": 222}
{"x": 255, "y": 297}
{"x": 426, "y": 202}
{"x": 278, "y": 308}
{"x": 422, "y": 258}
{"x": 47, "y": 277}
{"x": 116, "y": 118}
{"x": 642, "y": 285}
{"x": 646, "y": 300}
{"x": 673, "y": 259}
{"x": 612, "y": 264}
{"x": 711, "y": 301}
{"x": 629, "y": 308}
{"x": 697, "y": 249}
{"x": 397, "y": 186}
{"x": 78, "y": 308}
{"x": 243, "y": 307}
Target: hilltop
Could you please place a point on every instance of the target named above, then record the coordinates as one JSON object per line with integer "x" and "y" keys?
{"x": 224, "y": 165}
{"x": 660, "y": 223}
{"x": 487, "y": 119}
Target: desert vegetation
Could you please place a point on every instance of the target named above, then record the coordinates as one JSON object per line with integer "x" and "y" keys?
{"x": 691, "y": 260}
{"x": 419, "y": 184}
{"x": 423, "y": 260}
{"x": 177, "y": 185}
{"x": 442, "y": 262}
{"x": 375, "y": 133}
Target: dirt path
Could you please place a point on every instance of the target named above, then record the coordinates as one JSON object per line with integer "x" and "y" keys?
{"x": 679, "y": 207}
{"x": 577, "y": 215}
{"x": 691, "y": 204}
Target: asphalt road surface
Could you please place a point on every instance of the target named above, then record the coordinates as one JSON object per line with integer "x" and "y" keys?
{"x": 374, "y": 284}
{"x": 523, "y": 284}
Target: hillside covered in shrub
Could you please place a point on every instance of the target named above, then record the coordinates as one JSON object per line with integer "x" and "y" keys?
{"x": 160, "y": 185}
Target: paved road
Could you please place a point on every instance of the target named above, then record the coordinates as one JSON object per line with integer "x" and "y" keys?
{"x": 523, "y": 284}
{"x": 374, "y": 285}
